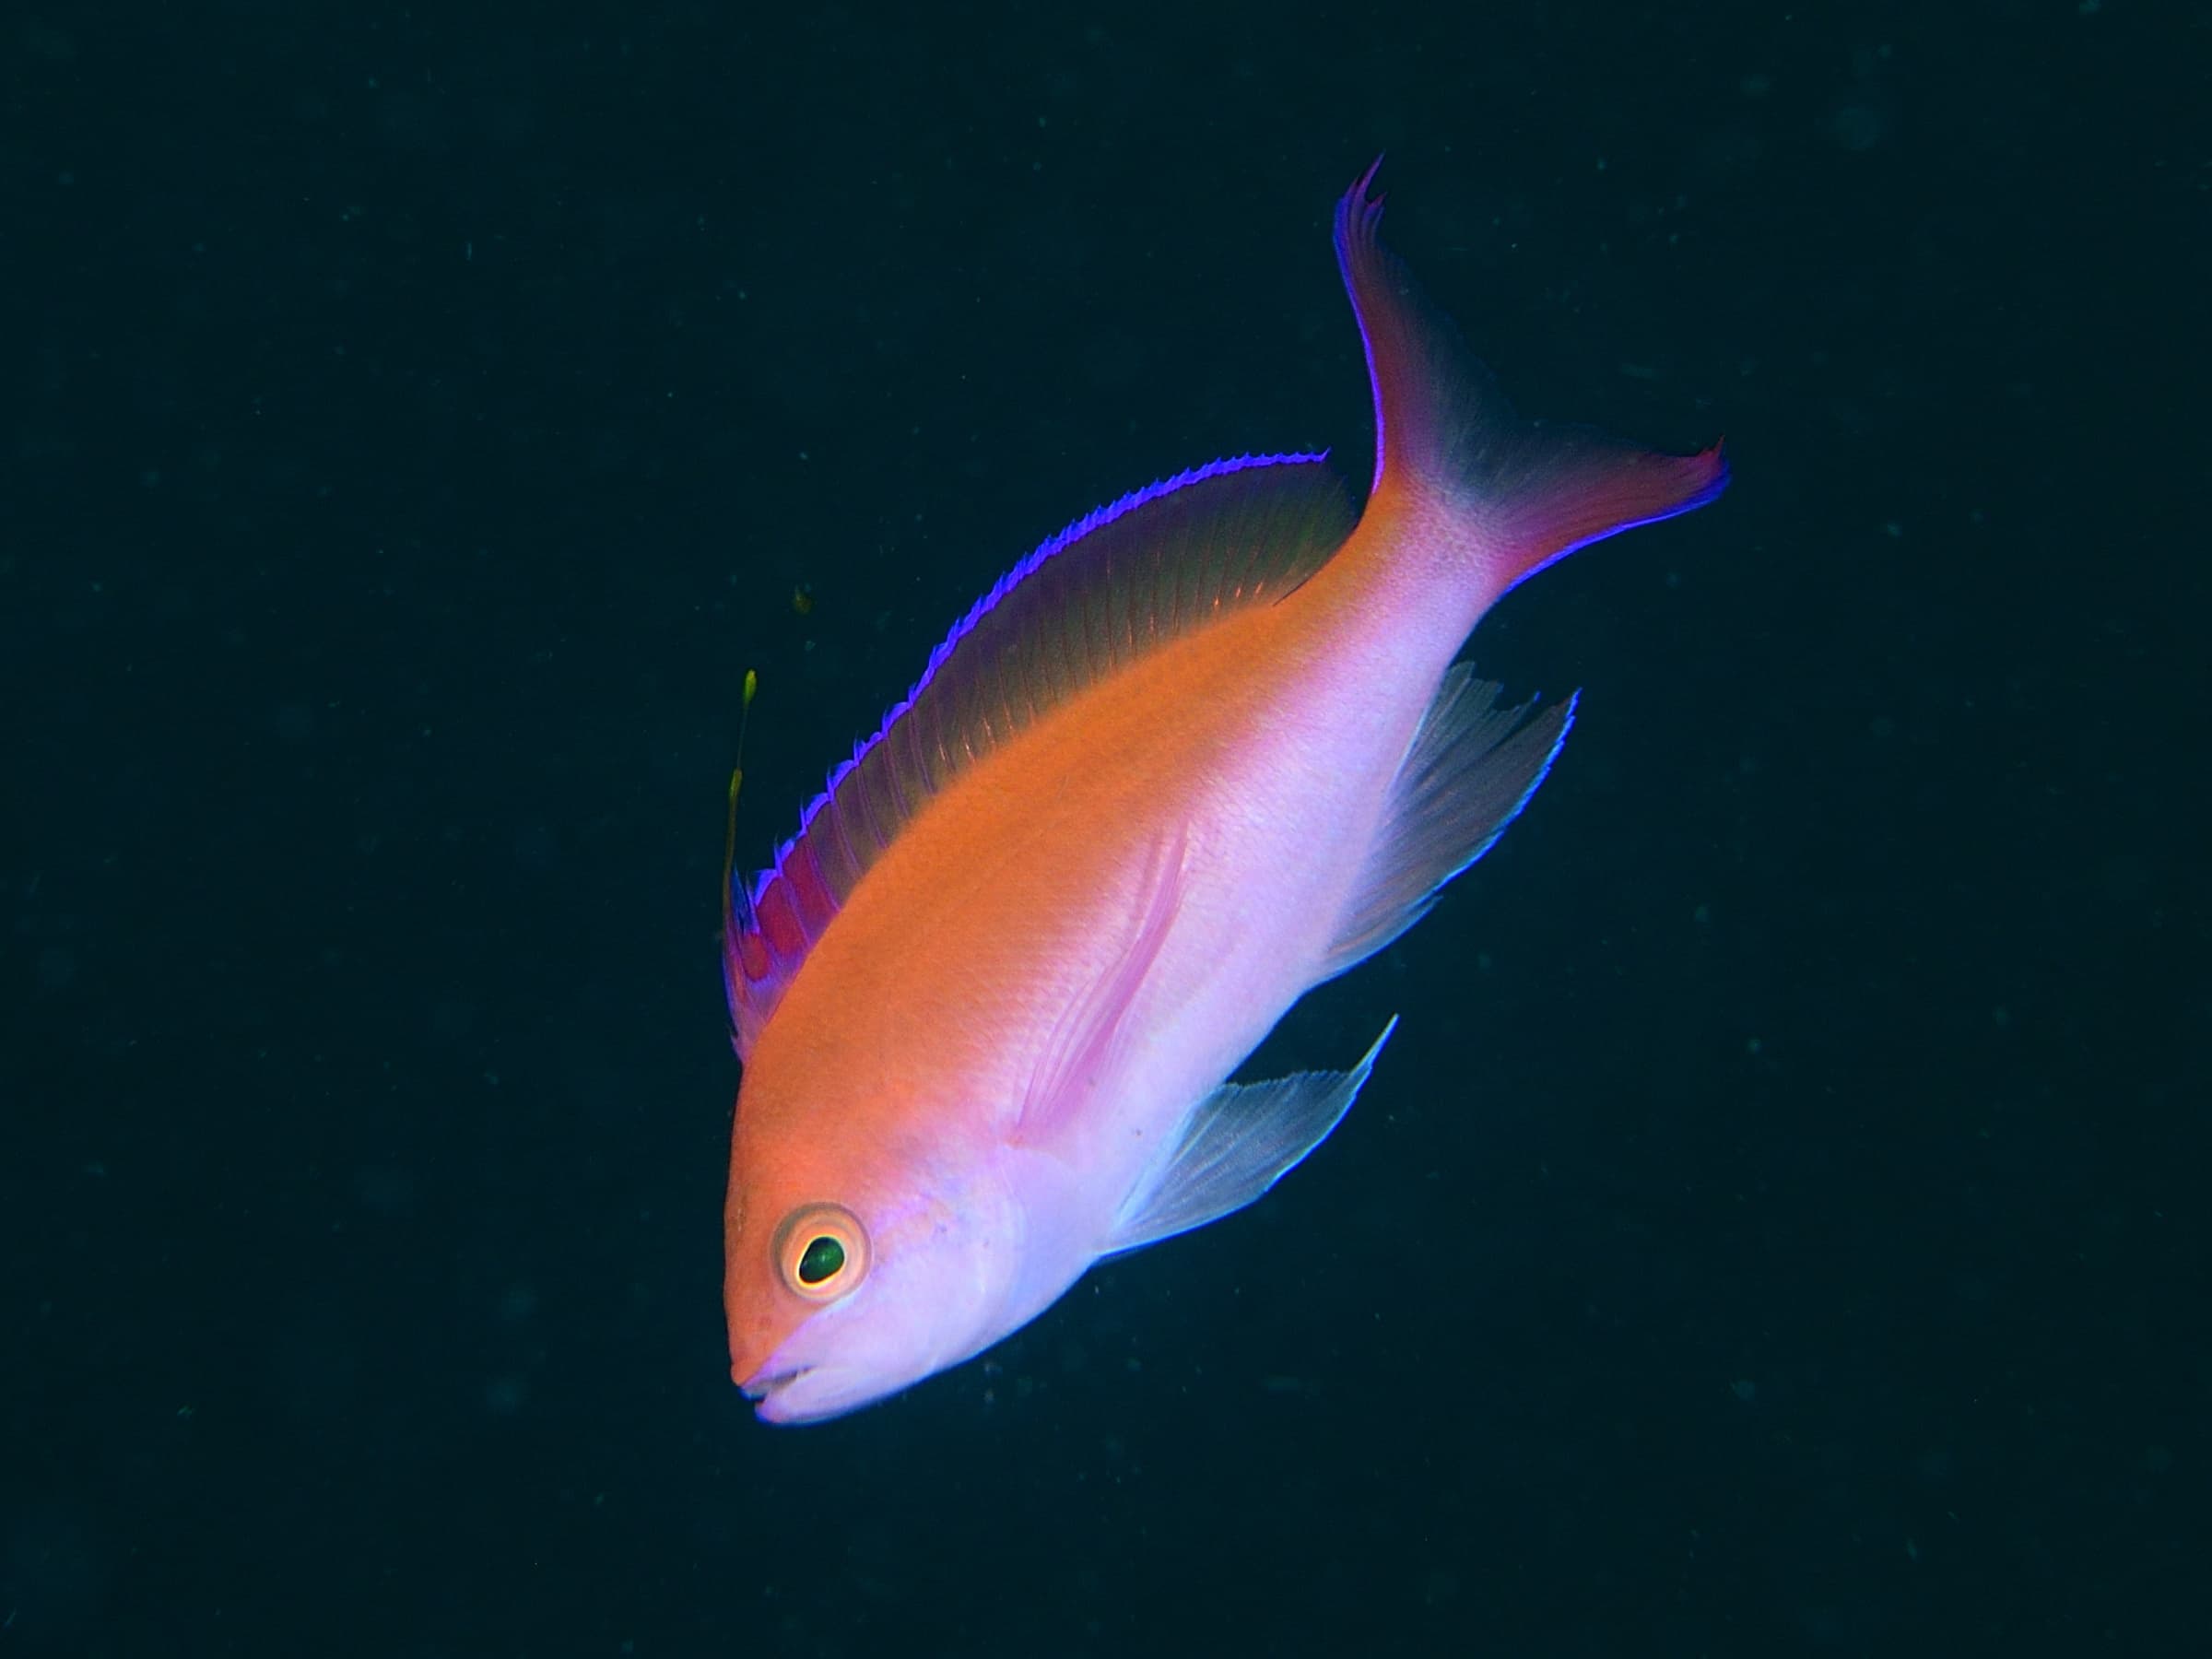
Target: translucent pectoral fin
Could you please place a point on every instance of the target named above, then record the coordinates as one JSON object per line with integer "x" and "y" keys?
{"x": 1242, "y": 1139}
{"x": 1087, "y": 1045}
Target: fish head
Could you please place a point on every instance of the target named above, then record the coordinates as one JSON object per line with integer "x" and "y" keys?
{"x": 856, "y": 1266}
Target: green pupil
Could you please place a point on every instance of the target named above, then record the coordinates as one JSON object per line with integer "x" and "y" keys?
{"x": 824, "y": 1259}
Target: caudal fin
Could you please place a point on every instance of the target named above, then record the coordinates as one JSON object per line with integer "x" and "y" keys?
{"x": 1532, "y": 493}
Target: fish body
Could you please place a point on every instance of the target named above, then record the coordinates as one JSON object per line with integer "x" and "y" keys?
{"x": 1201, "y": 752}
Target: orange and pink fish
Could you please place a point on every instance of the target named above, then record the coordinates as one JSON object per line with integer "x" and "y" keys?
{"x": 1199, "y": 752}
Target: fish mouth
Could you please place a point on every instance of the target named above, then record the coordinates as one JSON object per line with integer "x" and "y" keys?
{"x": 799, "y": 1394}
{"x": 764, "y": 1385}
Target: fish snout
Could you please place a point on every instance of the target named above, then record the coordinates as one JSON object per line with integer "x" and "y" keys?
{"x": 755, "y": 1335}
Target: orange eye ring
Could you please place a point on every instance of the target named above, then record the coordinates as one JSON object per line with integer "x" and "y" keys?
{"x": 822, "y": 1252}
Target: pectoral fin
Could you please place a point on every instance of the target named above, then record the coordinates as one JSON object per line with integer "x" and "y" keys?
{"x": 1086, "y": 1047}
{"x": 1241, "y": 1140}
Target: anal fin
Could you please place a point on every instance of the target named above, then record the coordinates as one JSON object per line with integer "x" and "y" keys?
{"x": 1240, "y": 1141}
{"x": 1472, "y": 767}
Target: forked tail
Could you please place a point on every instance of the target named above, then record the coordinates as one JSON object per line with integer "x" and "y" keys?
{"x": 1532, "y": 493}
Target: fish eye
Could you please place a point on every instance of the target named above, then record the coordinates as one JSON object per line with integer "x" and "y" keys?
{"x": 822, "y": 1252}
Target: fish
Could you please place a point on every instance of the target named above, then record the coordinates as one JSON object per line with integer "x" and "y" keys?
{"x": 1203, "y": 749}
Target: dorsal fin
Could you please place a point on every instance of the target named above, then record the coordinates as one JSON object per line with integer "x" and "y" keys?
{"x": 1111, "y": 587}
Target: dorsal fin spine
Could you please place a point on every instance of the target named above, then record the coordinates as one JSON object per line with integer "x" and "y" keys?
{"x": 879, "y": 815}
{"x": 815, "y": 905}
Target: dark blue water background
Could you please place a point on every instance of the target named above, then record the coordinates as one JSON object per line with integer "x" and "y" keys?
{"x": 1779, "y": 1225}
